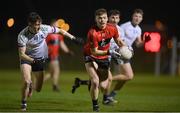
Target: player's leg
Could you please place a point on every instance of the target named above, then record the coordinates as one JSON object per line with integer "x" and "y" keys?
{"x": 38, "y": 81}
{"x": 78, "y": 82}
{"x": 26, "y": 83}
{"x": 115, "y": 66}
{"x": 38, "y": 72}
{"x": 55, "y": 71}
{"x": 105, "y": 77}
{"x": 48, "y": 74}
{"x": 94, "y": 90}
{"x": 105, "y": 87}
{"x": 127, "y": 73}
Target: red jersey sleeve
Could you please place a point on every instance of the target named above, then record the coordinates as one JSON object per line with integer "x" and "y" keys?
{"x": 92, "y": 36}
{"x": 116, "y": 33}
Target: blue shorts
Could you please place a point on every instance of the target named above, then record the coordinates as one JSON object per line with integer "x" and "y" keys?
{"x": 35, "y": 66}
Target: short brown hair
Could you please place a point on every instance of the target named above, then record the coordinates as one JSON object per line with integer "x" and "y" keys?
{"x": 100, "y": 11}
{"x": 33, "y": 17}
{"x": 138, "y": 11}
{"x": 114, "y": 12}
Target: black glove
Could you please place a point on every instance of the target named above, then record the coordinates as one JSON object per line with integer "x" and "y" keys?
{"x": 78, "y": 41}
{"x": 147, "y": 38}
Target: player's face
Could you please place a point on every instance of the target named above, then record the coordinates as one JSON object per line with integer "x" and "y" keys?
{"x": 34, "y": 27}
{"x": 114, "y": 19}
{"x": 137, "y": 18}
{"x": 101, "y": 20}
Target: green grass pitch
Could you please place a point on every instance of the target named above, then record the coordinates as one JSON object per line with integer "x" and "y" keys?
{"x": 145, "y": 92}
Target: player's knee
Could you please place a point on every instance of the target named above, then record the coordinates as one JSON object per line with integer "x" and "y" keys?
{"x": 130, "y": 76}
{"x": 27, "y": 84}
{"x": 95, "y": 83}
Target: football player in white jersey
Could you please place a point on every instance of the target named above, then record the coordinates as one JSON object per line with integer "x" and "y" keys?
{"x": 33, "y": 52}
{"x": 130, "y": 33}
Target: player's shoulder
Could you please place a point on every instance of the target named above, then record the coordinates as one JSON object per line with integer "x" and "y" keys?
{"x": 109, "y": 25}
{"x": 44, "y": 27}
{"x": 128, "y": 23}
{"x": 23, "y": 32}
{"x": 93, "y": 29}
{"x": 138, "y": 28}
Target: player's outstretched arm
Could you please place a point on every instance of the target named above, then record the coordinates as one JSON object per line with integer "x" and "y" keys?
{"x": 65, "y": 33}
{"x": 72, "y": 37}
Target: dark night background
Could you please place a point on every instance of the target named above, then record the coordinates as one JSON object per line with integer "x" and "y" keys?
{"x": 79, "y": 14}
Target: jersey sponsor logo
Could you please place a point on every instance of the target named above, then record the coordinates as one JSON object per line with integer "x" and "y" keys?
{"x": 104, "y": 42}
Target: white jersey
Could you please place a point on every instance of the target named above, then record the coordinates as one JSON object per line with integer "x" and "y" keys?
{"x": 128, "y": 33}
{"x": 35, "y": 44}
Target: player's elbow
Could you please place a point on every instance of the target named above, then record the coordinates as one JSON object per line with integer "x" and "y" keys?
{"x": 21, "y": 55}
{"x": 94, "y": 52}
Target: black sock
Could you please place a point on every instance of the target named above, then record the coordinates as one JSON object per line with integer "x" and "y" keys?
{"x": 105, "y": 97}
{"x": 95, "y": 102}
{"x": 113, "y": 93}
{"x": 23, "y": 101}
{"x": 84, "y": 82}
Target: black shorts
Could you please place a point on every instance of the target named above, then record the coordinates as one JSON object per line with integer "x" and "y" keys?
{"x": 102, "y": 63}
{"x": 35, "y": 66}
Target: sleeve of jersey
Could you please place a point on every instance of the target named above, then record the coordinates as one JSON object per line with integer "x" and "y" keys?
{"x": 116, "y": 33}
{"x": 61, "y": 38}
{"x": 56, "y": 30}
{"x": 93, "y": 39}
{"x": 21, "y": 41}
{"x": 51, "y": 29}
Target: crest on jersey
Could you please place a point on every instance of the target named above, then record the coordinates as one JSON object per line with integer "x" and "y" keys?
{"x": 104, "y": 42}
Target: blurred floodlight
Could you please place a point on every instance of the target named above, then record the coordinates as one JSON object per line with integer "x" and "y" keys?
{"x": 65, "y": 27}
{"x": 10, "y": 22}
{"x": 60, "y": 23}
